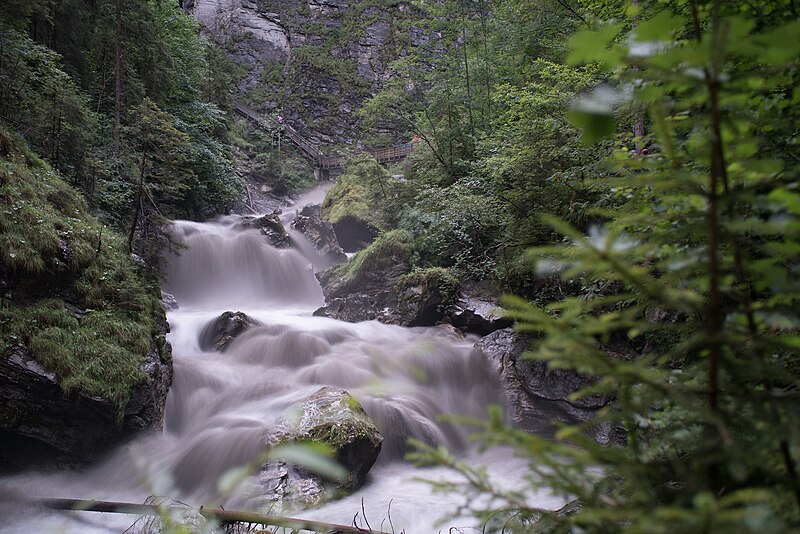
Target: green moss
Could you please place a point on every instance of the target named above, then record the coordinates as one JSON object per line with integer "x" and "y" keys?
{"x": 388, "y": 249}
{"x": 361, "y": 193}
{"x": 98, "y": 343}
{"x": 435, "y": 279}
{"x": 347, "y": 198}
{"x": 337, "y": 422}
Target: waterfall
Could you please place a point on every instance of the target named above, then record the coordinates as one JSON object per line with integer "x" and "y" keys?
{"x": 223, "y": 404}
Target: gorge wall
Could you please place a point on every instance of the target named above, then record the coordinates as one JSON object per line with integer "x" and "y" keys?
{"x": 313, "y": 61}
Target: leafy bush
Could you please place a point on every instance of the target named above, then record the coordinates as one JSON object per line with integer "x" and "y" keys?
{"x": 458, "y": 226}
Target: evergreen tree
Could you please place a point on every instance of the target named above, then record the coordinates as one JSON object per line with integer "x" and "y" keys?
{"x": 696, "y": 275}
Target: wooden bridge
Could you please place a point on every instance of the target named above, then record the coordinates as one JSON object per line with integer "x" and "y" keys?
{"x": 320, "y": 160}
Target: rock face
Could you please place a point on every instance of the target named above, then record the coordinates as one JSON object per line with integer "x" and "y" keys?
{"x": 218, "y": 334}
{"x": 41, "y": 426}
{"x": 329, "y": 416}
{"x": 314, "y": 61}
{"x": 168, "y": 301}
{"x": 536, "y": 393}
{"x": 354, "y": 234}
{"x": 320, "y": 233}
{"x": 477, "y": 309}
{"x": 270, "y": 226}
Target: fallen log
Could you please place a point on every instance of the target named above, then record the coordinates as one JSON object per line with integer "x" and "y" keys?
{"x": 218, "y": 514}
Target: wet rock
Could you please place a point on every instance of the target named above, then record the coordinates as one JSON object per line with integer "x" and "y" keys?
{"x": 168, "y": 301}
{"x": 424, "y": 296}
{"x": 320, "y": 233}
{"x": 351, "y": 308}
{"x": 536, "y": 393}
{"x": 43, "y": 427}
{"x": 218, "y": 334}
{"x": 270, "y": 226}
{"x": 420, "y": 305}
{"x": 290, "y": 486}
{"x": 477, "y": 309}
{"x": 329, "y": 416}
{"x": 365, "y": 287}
{"x": 353, "y": 233}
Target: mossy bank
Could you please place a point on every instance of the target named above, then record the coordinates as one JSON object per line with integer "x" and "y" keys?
{"x": 84, "y": 359}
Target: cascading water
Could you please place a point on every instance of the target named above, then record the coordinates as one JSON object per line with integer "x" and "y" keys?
{"x": 223, "y": 404}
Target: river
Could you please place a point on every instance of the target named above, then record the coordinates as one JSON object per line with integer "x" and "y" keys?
{"x": 222, "y": 405}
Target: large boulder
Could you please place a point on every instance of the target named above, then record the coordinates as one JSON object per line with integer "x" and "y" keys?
{"x": 270, "y": 226}
{"x": 477, "y": 309}
{"x": 350, "y": 204}
{"x": 320, "y": 233}
{"x": 333, "y": 417}
{"x": 538, "y": 394}
{"x": 368, "y": 281}
{"x": 42, "y": 426}
{"x": 424, "y": 296}
{"x": 218, "y": 333}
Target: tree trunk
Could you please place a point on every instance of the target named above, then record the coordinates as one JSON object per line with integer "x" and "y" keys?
{"x": 118, "y": 69}
{"x": 638, "y": 115}
{"x": 466, "y": 74}
{"x": 138, "y": 204}
{"x": 218, "y": 514}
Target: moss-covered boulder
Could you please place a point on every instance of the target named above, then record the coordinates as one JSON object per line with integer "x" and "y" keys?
{"x": 425, "y": 296}
{"x": 83, "y": 359}
{"x": 333, "y": 417}
{"x": 351, "y": 204}
{"x": 364, "y": 287}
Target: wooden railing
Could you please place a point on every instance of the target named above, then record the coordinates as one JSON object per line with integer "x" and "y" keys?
{"x": 318, "y": 158}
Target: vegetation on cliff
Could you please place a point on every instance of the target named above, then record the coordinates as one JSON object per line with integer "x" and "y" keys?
{"x": 111, "y": 121}
{"x": 73, "y": 297}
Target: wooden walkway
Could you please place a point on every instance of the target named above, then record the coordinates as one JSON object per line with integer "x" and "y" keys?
{"x": 319, "y": 159}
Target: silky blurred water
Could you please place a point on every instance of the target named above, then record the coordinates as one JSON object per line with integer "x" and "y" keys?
{"x": 222, "y": 406}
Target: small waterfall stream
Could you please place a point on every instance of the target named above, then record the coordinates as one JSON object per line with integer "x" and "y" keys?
{"x": 222, "y": 405}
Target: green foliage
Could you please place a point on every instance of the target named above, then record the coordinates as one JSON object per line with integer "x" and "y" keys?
{"x": 458, "y": 226}
{"x": 489, "y": 105}
{"x": 97, "y": 344}
{"x": 695, "y": 275}
{"x": 58, "y": 91}
{"x": 39, "y": 98}
{"x": 366, "y": 191}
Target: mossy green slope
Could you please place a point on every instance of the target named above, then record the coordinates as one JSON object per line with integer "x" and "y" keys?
{"x": 72, "y": 296}
{"x": 388, "y": 250}
{"x": 360, "y": 193}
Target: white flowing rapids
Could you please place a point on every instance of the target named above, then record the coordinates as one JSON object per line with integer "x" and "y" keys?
{"x": 222, "y": 405}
